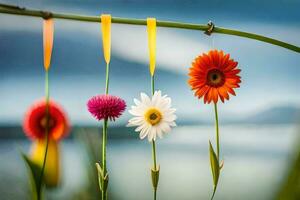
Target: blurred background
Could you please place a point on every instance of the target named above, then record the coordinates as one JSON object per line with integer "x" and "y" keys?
{"x": 259, "y": 127}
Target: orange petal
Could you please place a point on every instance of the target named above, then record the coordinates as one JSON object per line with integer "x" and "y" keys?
{"x": 225, "y": 60}
{"x": 223, "y": 92}
{"x": 202, "y": 91}
{"x": 48, "y": 31}
{"x": 215, "y": 95}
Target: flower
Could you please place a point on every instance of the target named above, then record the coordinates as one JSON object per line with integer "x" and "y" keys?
{"x": 213, "y": 76}
{"x": 35, "y": 121}
{"x": 106, "y": 107}
{"x": 52, "y": 167}
{"x": 152, "y": 116}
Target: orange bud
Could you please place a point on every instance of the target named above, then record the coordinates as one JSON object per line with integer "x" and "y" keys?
{"x": 48, "y": 30}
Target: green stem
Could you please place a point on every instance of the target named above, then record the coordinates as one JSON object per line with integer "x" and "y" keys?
{"x": 153, "y": 142}
{"x": 46, "y": 133}
{"x": 107, "y": 78}
{"x": 104, "y": 139}
{"x": 16, "y": 10}
{"x": 217, "y": 131}
{"x": 154, "y": 155}
{"x": 104, "y": 135}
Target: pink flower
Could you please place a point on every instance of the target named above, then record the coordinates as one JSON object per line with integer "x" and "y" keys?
{"x": 106, "y": 107}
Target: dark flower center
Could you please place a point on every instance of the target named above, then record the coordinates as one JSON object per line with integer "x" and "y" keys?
{"x": 153, "y": 116}
{"x": 43, "y": 122}
{"x": 215, "y": 78}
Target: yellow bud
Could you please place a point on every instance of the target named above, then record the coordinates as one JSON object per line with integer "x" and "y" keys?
{"x": 106, "y": 36}
{"x": 151, "y": 29}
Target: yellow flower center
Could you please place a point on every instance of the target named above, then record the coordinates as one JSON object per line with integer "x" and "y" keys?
{"x": 153, "y": 116}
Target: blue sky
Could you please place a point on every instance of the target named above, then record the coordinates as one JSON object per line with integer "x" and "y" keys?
{"x": 269, "y": 73}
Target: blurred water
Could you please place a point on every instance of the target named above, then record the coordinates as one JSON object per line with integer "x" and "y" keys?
{"x": 256, "y": 159}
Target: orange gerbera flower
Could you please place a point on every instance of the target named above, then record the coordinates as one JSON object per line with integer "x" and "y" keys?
{"x": 213, "y": 76}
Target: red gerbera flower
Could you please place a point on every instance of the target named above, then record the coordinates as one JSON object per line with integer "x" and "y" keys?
{"x": 35, "y": 121}
{"x": 214, "y": 75}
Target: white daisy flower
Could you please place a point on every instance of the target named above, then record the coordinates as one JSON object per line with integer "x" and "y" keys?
{"x": 153, "y": 117}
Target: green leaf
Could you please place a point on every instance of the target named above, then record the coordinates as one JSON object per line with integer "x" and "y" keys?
{"x": 35, "y": 173}
{"x": 155, "y": 177}
{"x": 102, "y": 179}
{"x": 214, "y": 163}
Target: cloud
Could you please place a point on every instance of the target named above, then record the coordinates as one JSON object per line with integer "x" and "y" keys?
{"x": 174, "y": 51}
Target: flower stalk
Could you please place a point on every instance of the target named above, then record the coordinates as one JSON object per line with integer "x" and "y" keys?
{"x": 155, "y": 169}
{"x": 215, "y": 158}
{"x": 48, "y": 32}
{"x": 104, "y": 177}
{"x": 217, "y": 130}
{"x": 106, "y": 40}
{"x": 47, "y": 96}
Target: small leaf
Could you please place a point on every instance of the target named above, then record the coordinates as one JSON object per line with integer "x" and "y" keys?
{"x": 100, "y": 175}
{"x": 35, "y": 173}
{"x": 221, "y": 164}
{"x": 155, "y": 177}
{"x": 102, "y": 179}
{"x": 214, "y": 163}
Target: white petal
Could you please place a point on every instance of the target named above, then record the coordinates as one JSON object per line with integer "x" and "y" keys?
{"x": 170, "y": 111}
{"x": 172, "y": 124}
{"x": 137, "y": 120}
{"x": 159, "y": 131}
{"x": 136, "y": 101}
{"x": 145, "y": 99}
{"x": 135, "y": 111}
{"x": 165, "y": 127}
{"x": 150, "y": 134}
{"x": 139, "y": 128}
{"x": 130, "y": 124}
{"x": 169, "y": 118}
{"x": 144, "y": 132}
{"x": 156, "y": 99}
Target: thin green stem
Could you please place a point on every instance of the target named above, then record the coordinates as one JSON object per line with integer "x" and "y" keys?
{"x": 152, "y": 85}
{"x": 16, "y": 10}
{"x": 104, "y": 139}
{"x": 107, "y": 78}
{"x": 153, "y": 143}
{"x": 217, "y": 131}
{"x": 46, "y": 133}
{"x": 104, "y": 135}
{"x": 154, "y": 155}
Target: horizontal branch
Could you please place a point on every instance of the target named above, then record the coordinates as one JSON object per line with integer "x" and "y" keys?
{"x": 16, "y": 10}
